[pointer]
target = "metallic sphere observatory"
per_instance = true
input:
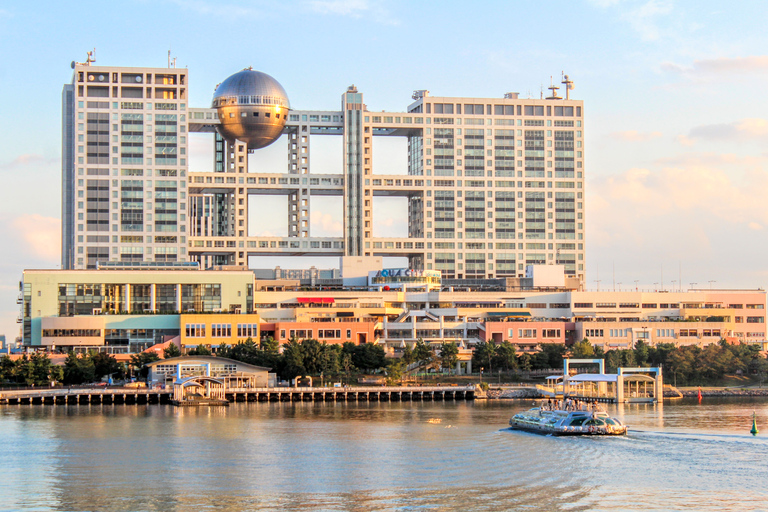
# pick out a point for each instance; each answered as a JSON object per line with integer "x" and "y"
{"x": 253, "y": 108}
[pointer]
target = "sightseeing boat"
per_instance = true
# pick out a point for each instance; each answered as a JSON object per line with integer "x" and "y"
{"x": 568, "y": 423}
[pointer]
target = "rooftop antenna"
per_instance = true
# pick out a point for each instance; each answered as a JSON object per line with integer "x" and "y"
{"x": 554, "y": 90}
{"x": 91, "y": 57}
{"x": 542, "y": 92}
{"x": 568, "y": 85}
{"x": 171, "y": 61}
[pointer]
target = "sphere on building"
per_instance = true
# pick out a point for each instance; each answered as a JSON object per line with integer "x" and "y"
{"x": 253, "y": 108}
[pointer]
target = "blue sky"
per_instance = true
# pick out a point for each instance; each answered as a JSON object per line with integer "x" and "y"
{"x": 676, "y": 123}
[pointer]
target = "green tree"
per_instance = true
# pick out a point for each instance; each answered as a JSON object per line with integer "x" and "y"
{"x": 200, "y": 350}
{"x": 105, "y": 364}
{"x": 395, "y": 372}
{"x": 422, "y": 353}
{"x": 171, "y": 351}
{"x": 408, "y": 356}
{"x": 483, "y": 354}
{"x": 368, "y": 356}
{"x": 78, "y": 369}
{"x": 269, "y": 345}
{"x": 140, "y": 360}
{"x": 312, "y": 356}
{"x": 554, "y": 353}
{"x": 7, "y": 369}
{"x": 582, "y": 350}
{"x": 293, "y": 359}
{"x": 524, "y": 362}
{"x": 506, "y": 356}
{"x": 449, "y": 355}
{"x": 40, "y": 369}
{"x": 642, "y": 353}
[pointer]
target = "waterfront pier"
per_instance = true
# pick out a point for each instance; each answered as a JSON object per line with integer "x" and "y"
{"x": 137, "y": 396}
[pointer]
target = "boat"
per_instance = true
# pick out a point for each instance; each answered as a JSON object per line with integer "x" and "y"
{"x": 567, "y": 423}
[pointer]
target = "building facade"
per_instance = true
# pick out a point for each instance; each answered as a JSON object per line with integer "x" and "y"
{"x": 492, "y": 184}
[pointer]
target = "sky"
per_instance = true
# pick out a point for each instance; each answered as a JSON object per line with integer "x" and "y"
{"x": 676, "y": 161}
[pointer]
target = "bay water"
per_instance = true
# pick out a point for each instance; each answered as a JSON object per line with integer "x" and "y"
{"x": 384, "y": 456}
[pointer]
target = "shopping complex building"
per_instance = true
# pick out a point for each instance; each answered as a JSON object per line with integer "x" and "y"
{"x": 127, "y": 311}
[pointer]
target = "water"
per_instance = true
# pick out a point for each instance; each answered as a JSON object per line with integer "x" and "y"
{"x": 377, "y": 456}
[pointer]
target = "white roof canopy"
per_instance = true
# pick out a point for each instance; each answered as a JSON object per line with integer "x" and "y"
{"x": 594, "y": 377}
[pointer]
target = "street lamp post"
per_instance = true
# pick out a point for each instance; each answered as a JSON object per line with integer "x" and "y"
{"x": 636, "y": 281}
{"x": 673, "y": 284}
{"x": 692, "y": 285}
{"x": 710, "y": 283}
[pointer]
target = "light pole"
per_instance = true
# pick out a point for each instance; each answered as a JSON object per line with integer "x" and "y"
{"x": 655, "y": 286}
{"x": 673, "y": 284}
{"x": 692, "y": 285}
{"x": 598, "y": 284}
{"x": 710, "y": 283}
{"x": 636, "y": 281}
{"x": 619, "y": 283}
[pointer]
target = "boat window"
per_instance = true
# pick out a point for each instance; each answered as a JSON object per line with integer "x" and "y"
{"x": 578, "y": 421}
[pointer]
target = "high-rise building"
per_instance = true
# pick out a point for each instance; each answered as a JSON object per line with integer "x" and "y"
{"x": 492, "y": 184}
{"x": 124, "y": 169}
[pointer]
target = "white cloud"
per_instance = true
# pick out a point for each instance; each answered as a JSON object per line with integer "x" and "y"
{"x": 354, "y": 9}
{"x": 644, "y": 19}
{"x": 635, "y": 136}
{"x": 218, "y": 9}
{"x": 324, "y": 224}
{"x": 741, "y": 130}
{"x": 40, "y": 236}
{"x": 720, "y": 66}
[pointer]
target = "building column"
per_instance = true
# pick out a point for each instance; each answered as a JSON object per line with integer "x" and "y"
{"x": 178, "y": 298}
{"x": 127, "y": 306}
{"x": 620, "y": 388}
{"x": 153, "y": 296}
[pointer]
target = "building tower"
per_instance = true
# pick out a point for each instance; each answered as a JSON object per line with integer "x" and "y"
{"x": 124, "y": 168}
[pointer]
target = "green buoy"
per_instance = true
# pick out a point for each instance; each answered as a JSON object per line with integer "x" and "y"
{"x": 754, "y": 430}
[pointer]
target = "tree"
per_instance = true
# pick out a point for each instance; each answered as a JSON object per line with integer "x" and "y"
{"x": 422, "y": 353}
{"x": 200, "y": 350}
{"x": 524, "y": 362}
{"x": 582, "y": 350}
{"x": 483, "y": 354}
{"x": 269, "y": 345}
{"x": 312, "y": 356}
{"x": 105, "y": 365}
{"x": 554, "y": 353}
{"x": 171, "y": 351}
{"x": 78, "y": 369}
{"x": 449, "y": 355}
{"x": 139, "y": 362}
{"x": 293, "y": 359}
{"x": 369, "y": 356}
{"x": 642, "y": 352}
{"x": 7, "y": 369}
{"x": 408, "y": 357}
{"x": 395, "y": 372}
{"x": 506, "y": 356}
